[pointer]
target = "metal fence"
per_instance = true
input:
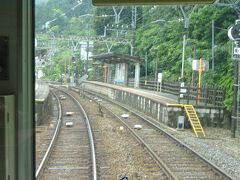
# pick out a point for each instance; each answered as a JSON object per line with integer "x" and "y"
{"x": 205, "y": 96}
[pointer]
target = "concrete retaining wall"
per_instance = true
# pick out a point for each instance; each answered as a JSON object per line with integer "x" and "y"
{"x": 159, "y": 111}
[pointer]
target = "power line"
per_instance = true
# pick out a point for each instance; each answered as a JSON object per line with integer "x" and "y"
{"x": 47, "y": 24}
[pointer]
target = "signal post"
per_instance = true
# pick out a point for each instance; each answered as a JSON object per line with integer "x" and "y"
{"x": 234, "y": 35}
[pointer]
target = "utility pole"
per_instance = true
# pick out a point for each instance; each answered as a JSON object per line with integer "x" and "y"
{"x": 52, "y": 52}
{"x": 134, "y": 21}
{"x": 186, "y": 18}
{"x": 88, "y": 38}
{"x": 213, "y": 45}
{"x": 146, "y": 63}
{"x": 183, "y": 56}
{"x": 186, "y": 25}
{"x": 116, "y": 28}
{"x": 235, "y": 99}
{"x": 117, "y": 14}
{"x": 156, "y": 67}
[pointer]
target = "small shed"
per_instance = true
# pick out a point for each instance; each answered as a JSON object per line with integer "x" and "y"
{"x": 120, "y": 62}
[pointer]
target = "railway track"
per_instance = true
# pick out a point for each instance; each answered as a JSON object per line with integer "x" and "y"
{"x": 118, "y": 153}
{"x": 45, "y": 132}
{"x": 131, "y": 160}
{"x": 179, "y": 160}
{"x": 71, "y": 154}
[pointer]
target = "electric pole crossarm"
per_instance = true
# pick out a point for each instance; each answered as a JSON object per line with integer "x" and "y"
{"x": 117, "y": 14}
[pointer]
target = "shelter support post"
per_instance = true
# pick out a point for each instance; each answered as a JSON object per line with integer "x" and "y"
{"x": 137, "y": 75}
{"x": 105, "y": 72}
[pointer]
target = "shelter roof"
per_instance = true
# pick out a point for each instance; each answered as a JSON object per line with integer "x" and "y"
{"x": 113, "y": 58}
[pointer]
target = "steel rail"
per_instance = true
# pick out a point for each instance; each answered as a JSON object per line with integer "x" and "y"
{"x": 142, "y": 142}
{"x": 90, "y": 135}
{"x": 168, "y": 172}
{"x": 208, "y": 163}
{"x": 51, "y": 145}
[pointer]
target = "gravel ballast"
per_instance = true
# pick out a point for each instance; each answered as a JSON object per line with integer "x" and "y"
{"x": 218, "y": 147}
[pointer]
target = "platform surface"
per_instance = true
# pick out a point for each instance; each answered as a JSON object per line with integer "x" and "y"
{"x": 153, "y": 95}
{"x": 164, "y": 98}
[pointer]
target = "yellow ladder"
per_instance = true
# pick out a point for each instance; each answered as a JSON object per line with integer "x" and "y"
{"x": 194, "y": 120}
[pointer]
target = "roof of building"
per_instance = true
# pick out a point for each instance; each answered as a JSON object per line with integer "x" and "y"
{"x": 113, "y": 58}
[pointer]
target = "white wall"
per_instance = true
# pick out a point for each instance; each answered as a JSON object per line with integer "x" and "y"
{"x": 121, "y": 73}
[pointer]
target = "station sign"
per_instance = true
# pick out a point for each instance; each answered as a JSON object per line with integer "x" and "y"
{"x": 160, "y": 75}
{"x": 236, "y": 51}
{"x": 196, "y": 64}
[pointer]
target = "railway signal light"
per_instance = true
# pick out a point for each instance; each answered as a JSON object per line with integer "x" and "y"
{"x": 234, "y": 31}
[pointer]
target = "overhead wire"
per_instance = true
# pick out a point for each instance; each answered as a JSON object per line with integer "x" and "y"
{"x": 46, "y": 25}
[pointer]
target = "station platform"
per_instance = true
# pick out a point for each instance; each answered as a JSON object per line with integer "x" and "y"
{"x": 161, "y": 106}
{"x": 42, "y": 103}
{"x": 41, "y": 91}
{"x": 163, "y": 98}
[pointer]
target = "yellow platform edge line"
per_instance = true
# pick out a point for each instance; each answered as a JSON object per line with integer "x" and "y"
{"x": 175, "y": 105}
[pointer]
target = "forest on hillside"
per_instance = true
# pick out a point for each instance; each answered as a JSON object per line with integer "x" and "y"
{"x": 154, "y": 33}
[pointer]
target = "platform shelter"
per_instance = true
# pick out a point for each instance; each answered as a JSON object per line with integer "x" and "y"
{"x": 119, "y": 64}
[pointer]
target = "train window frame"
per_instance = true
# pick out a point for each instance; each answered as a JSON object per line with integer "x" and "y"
{"x": 148, "y": 2}
{"x": 30, "y": 71}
